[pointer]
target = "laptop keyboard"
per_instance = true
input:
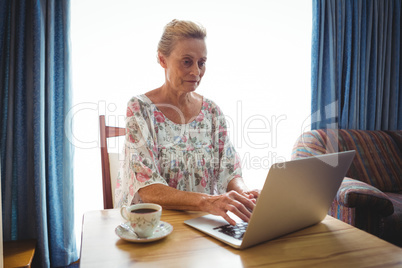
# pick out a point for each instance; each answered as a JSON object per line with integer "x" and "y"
{"x": 236, "y": 231}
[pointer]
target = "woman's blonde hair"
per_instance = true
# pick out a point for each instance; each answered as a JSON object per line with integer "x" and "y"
{"x": 177, "y": 29}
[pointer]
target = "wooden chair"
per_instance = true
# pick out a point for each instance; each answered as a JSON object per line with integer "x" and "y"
{"x": 109, "y": 161}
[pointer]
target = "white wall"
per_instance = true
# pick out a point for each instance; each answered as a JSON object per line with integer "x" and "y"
{"x": 258, "y": 72}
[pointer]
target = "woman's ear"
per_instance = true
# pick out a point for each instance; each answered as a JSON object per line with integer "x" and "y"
{"x": 162, "y": 60}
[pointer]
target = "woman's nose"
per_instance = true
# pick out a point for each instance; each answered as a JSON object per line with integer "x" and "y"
{"x": 195, "y": 70}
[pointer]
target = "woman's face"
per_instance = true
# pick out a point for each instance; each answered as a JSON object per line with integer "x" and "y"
{"x": 185, "y": 66}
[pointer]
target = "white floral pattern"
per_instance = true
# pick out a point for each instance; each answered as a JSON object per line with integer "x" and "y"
{"x": 197, "y": 156}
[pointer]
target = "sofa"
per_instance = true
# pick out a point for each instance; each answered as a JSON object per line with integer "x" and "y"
{"x": 370, "y": 196}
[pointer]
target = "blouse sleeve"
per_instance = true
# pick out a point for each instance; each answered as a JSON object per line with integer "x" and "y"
{"x": 229, "y": 160}
{"x": 140, "y": 166}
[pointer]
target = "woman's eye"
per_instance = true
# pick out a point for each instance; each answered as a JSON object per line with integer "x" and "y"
{"x": 187, "y": 63}
{"x": 201, "y": 64}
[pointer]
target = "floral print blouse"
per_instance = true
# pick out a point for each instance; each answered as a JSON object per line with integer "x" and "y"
{"x": 196, "y": 157}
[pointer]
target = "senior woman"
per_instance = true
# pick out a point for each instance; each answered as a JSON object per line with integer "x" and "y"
{"x": 177, "y": 152}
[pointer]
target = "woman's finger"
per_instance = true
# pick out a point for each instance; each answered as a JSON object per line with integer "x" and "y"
{"x": 240, "y": 206}
{"x": 245, "y": 201}
{"x": 228, "y": 219}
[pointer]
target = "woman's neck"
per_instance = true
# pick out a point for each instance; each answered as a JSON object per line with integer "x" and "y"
{"x": 188, "y": 103}
{"x": 176, "y": 98}
{"x": 179, "y": 99}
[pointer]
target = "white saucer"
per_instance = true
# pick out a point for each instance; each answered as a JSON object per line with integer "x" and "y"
{"x": 163, "y": 230}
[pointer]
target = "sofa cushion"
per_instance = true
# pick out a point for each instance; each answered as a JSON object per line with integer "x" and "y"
{"x": 397, "y": 136}
{"x": 378, "y": 156}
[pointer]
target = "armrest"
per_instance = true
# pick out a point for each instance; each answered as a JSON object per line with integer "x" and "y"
{"x": 357, "y": 194}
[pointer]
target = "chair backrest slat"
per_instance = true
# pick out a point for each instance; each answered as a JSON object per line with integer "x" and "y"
{"x": 105, "y": 133}
{"x": 115, "y": 131}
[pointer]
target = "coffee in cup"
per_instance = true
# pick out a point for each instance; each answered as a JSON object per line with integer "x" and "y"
{"x": 143, "y": 218}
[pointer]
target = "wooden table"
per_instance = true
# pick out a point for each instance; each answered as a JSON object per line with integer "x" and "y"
{"x": 329, "y": 243}
{"x": 18, "y": 253}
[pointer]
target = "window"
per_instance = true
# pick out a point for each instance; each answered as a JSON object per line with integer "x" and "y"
{"x": 258, "y": 72}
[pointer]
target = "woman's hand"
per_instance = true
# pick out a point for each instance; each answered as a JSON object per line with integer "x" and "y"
{"x": 253, "y": 194}
{"x": 237, "y": 184}
{"x": 239, "y": 204}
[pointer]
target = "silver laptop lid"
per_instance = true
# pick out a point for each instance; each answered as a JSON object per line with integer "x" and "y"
{"x": 296, "y": 194}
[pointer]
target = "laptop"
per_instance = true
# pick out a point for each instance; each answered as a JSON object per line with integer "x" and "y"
{"x": 296, "y": 194}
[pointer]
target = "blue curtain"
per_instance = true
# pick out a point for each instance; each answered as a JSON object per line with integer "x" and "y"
{"x": 36, "y": 155}
{"x": 356, "y": 64}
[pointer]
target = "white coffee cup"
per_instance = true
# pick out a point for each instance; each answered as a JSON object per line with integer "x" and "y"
{"x": 143, "y": 218}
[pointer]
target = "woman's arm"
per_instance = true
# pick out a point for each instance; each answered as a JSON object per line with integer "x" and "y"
{"x": 171, "y": 198}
